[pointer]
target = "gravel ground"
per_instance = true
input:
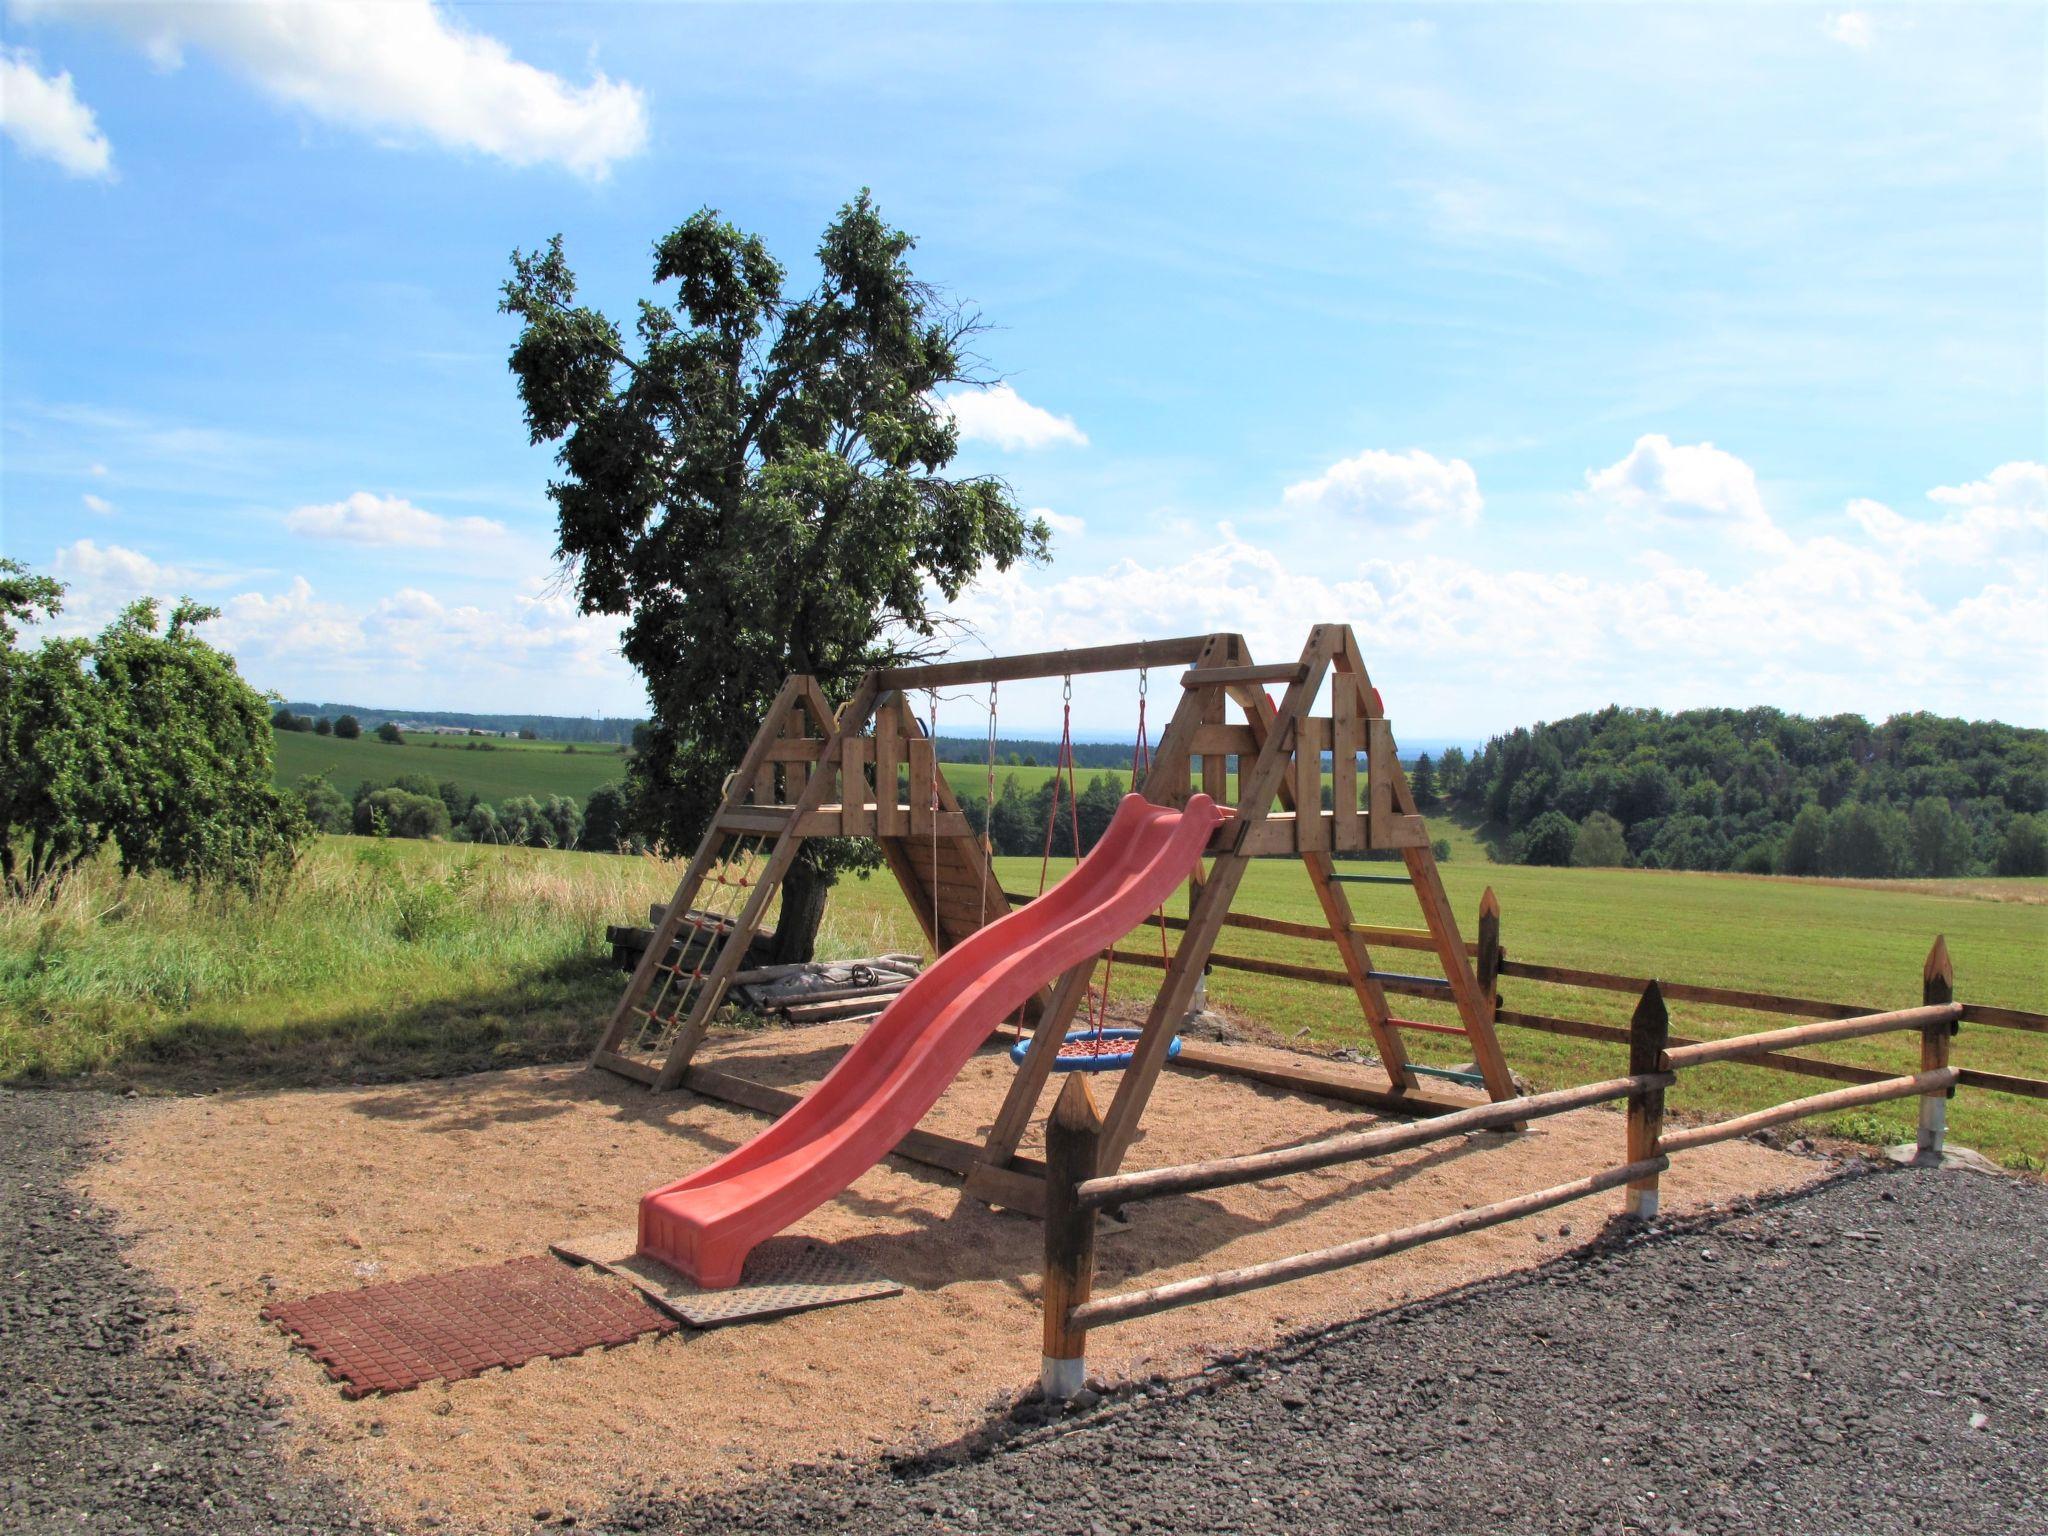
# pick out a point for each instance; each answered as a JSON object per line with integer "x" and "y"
{"x": 1868, "y": 1358}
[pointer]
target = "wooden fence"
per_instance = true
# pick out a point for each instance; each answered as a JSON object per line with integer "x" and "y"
{"x": 1074, "y": 1194}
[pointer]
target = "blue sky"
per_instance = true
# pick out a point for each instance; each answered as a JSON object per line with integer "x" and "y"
{"x": 1574, "y": 354}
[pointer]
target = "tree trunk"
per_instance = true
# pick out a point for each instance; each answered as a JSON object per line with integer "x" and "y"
{"x": 803, "y": 908}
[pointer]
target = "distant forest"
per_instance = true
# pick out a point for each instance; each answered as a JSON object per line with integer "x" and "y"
{"x": 1763, "y": 792}
{"x": 546, "y": 727}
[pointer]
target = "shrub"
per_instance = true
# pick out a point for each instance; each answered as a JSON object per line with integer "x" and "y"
{"x": 481, "y": 825}
{"x": 326, "y": 809}
{"x": 1599, "y": 843}
{"x": 323, "y": 727}
{"x": 347, "y": 727}
{"x": 389, "y": 733}
{"x": 1547, "y": 840}
{"x": 396, "y": 813}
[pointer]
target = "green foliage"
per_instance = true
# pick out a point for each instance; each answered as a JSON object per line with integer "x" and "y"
{"x": 1728, "y": 789}
{"x": 2025, "y": 851}
{"x": 1440, "y": 849}
{"x": 144, "y": 737}
{"x": 1422, "y": 783}
{"x": 347, "y": 727}
{"x": 400, "y": 813}
{"x": 324, "y": 806}
{"x": 390, "y": 734}
{"x": 1549, "y": 839}
{"x": 756, "y": 483}
{"x": 1599, "y": 843}
{"x": 285, "y": 720}
{"x": 323, "y": 727}
{"x": 481, "y": 825}
{"x": 605, "y": 828}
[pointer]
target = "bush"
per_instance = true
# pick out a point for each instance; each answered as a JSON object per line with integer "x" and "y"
{"x": 481, "y": 825}
{"x": 397, "y": 813}
{"x": 323, "y": 727}
{"x": 1599, "y": 843}
{"x": 1549, "y": 839}
{"x": 326, "y": 809}
{"x": 347, "y": 727}
{"x": 2025, "y": 851}
{"x": 1441, "y": 850}
{"x": 389, "y": 733}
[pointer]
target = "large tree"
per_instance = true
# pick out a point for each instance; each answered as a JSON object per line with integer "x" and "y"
{"x": 758, "y": 485}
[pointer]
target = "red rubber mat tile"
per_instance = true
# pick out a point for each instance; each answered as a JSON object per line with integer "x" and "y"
{"x": 390, "y": 1338}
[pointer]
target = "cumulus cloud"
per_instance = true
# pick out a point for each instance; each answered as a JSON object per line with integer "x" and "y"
{"x": 1695, "y": 485}
{"x": 1001, "y": 416}
{"x": 369, "y": 519}
{"x": 1825, "y": 624}
{"x": 1061, "y": 523}
{"x": 402, "y": 69}
{"x": 1412, "y": 492}
{"x": 98, "y": 504}
{"x": 44, "y": 117}
{"x": 1852, "y": 29}
{"x": 2004, "y": 516}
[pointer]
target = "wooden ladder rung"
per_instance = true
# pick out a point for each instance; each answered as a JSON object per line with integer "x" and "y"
{"x": 1413, "y": 981}
{"x": 1372, "y": 879}
{"x": 1217, "y": 677}
{"x": 1427, "y": 1027}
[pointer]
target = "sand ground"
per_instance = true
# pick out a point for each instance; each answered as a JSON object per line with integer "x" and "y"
{"x": 233, "y": 1200}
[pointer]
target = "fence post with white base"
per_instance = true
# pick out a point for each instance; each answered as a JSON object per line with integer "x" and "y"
{"x": 1649, "y": 1031}
{"x": 1937, "y": 985}
{"x": 1072, "y": 1136}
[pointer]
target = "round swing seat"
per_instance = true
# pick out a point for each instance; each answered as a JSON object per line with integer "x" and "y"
{"x": 1090, "y": 1050}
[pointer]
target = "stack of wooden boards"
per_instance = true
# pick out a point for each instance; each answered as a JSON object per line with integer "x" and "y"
{"x": 824, "y": 992}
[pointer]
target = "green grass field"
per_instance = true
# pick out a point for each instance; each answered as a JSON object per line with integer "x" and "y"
{"x": 505, "y": 771}
{"x": 388, "y": 959}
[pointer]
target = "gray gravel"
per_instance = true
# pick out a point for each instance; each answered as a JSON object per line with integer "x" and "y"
{"x": 1865, "y": 1359}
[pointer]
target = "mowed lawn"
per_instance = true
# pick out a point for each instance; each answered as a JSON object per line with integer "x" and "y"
{"x": 391, "y": 959}
{"x": 498, "y": 771}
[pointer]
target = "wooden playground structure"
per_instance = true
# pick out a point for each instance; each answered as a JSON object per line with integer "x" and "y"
{"x": 812, "y": 771}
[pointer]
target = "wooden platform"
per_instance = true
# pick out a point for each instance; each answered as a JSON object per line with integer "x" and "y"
{"x": 783, "y": 1275}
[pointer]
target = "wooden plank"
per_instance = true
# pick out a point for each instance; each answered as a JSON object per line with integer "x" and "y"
{"x": 830, "y": 821}
{"x": 1819, "y": 1104}
{"x": 2004, "y": 1018}
{"x": 922, "y": 750}
{"x": 1014, "y": 1117}
{"x": 1380, "y": 767}
{"x": 856, "y": 817}
{"x": 801, "y": 750}
{"x": 1742, "y": 1047}
{"x": 1127, "y": 657}
{"x": 1180, "y": 1293}
{"x": 1311, "y": 823}
{"x": 1287, "y": 674}
{"x": 1347, "y": 738}
{"x": 1215, "y": 738}
{"x": 626, "y": 1066}
{"x": 2001, "y": 1082}
{"x": 768, "y": 819}
{"x": 1355, "y": 1146}
{"x": 1346, "y": 1086}
{"x": 891, "y": 818}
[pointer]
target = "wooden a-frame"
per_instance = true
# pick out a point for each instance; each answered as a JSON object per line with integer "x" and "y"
{"x": 814, "y": 772}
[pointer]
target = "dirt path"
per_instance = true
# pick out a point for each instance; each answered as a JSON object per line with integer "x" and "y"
{"x": 1677, "y": 1382}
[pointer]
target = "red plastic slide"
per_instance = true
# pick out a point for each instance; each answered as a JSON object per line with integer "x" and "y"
{"x": 705, "y": 1225}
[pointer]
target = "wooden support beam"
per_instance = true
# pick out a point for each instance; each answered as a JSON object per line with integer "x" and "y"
{"x": 1939, "y": 1081}
{"x": 1649, "y": 1033}
{"x": 1072, "y": 1141}
{"x": 1007, "y": 669}
{"x": 1239, "y": 677}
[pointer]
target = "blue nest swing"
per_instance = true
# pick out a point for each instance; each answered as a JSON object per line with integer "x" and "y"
{"x": 1094, "y": 1050}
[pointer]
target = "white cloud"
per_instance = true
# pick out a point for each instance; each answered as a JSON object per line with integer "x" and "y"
{"x": 367, "y": 519}
{"x": 401, "y": 69}
{"x": 2001, "y": 518}
{"x": 1819, "y": 625}
{"x": 1001, "y": 416}
{"x": 1062, "y": 523}
{"x": 1697, "y": 485}
{"x": 1412, "y": 492}
{"x": 98, "y": 471}
{"x": 98, "y": 504}
{"x": 44, "y": 117}
{"x": 102, "y": 579}
{"x": 1852, "y": 29}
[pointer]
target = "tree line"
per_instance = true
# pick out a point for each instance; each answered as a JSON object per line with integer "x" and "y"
{"x": 416, "y": 806}
{"x": 1761, "y": 791}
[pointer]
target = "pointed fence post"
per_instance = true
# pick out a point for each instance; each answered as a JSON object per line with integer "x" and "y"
{"x": 1937, "y": 985}
{"x": 1649, "y": 1031}
{"x": 1487, "y": 964}
{"x": 1073, "y": 1136}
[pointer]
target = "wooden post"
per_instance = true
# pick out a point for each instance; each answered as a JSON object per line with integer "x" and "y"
{"x": 1072, "y": 1139}
{"x": 1937, "y": 985}
{"x": 1649, "y": 1031}
{"x": 1487, "y": 965}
